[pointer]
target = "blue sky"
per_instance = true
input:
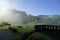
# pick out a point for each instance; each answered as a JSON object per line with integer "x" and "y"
{"x": 36, "y": 7}
{"x": 41, "y": 7}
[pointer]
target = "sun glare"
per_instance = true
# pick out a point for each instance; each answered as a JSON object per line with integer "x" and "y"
{"x": 4, "y": 4}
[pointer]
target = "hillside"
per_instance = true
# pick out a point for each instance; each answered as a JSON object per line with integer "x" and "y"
{"x": 46, "y": 19}
{"x": 14, "y": 17}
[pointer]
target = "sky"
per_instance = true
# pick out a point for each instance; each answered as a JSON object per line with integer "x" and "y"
{"x": 33, "y": 7}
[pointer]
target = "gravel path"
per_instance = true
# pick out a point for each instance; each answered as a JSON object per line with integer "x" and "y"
{"x": 6, "y": 35}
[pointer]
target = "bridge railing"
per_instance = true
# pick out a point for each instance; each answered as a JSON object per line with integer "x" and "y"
{"x": 47, "y": 27}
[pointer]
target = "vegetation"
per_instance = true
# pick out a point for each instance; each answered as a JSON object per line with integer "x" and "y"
{"x": 20, "y": 32}
{"x": 46, "y": 19}
{"x": 26, "y": 31}
{"x": 38, "y": 36}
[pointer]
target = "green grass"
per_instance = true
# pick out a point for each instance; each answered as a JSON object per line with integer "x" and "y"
{"x": 21, "y": 32}
{"x": 38, "y": 36}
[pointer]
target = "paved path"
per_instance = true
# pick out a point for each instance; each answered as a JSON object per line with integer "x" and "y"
{"x": 6, "y": 35}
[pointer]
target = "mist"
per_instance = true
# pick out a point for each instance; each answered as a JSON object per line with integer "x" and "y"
{"x": 14, "y": 17}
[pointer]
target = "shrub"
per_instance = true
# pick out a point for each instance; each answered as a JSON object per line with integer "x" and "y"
{"x": 13, "y": 29}
{"x": 5, "y": 23}
{"x": 19, "y": 26}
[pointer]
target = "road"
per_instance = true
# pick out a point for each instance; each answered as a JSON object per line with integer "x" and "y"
{"x": 6, "y": 34}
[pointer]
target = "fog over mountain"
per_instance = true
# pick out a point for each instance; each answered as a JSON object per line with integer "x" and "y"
{"x": 15, "y": 17}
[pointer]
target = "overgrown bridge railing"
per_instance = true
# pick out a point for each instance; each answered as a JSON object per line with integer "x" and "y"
{"x": 50, "y": 30}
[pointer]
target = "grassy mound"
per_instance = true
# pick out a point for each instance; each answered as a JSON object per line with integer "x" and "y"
{"x": 38, "y": 36}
